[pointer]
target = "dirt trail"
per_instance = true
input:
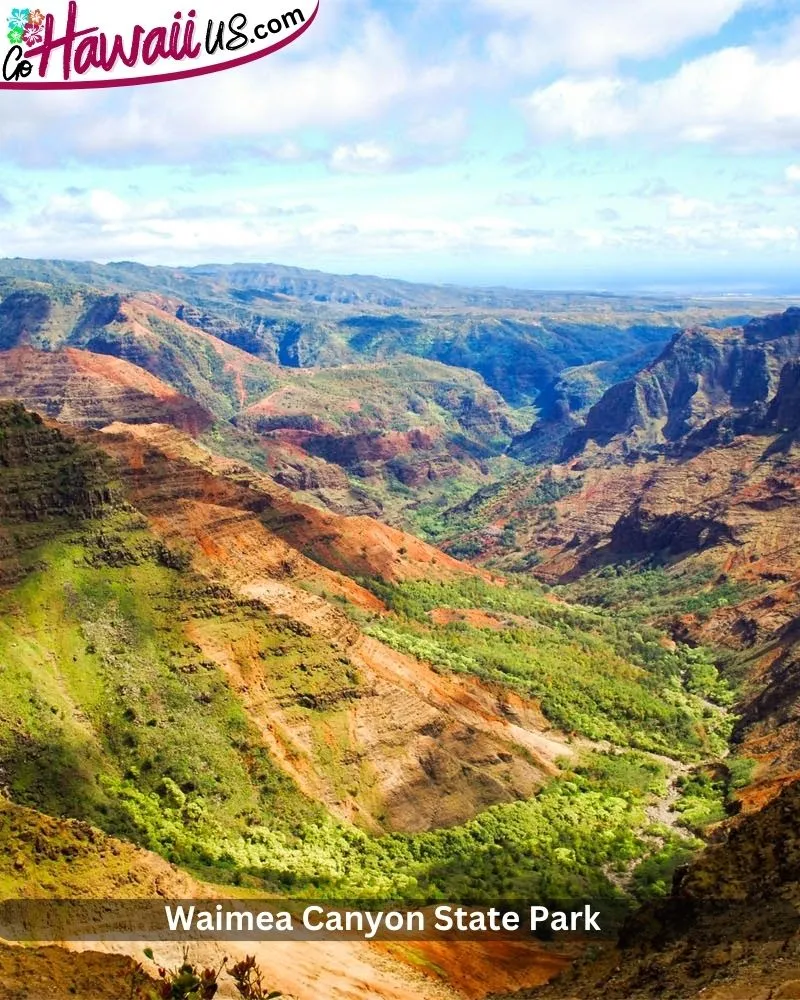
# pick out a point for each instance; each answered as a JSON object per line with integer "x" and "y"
{"x": 663, "y": 811}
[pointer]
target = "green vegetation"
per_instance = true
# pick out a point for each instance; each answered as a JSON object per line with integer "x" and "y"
{"x": 462, "y": 523}
{"x": 561, "y": 843}
{"x": 197, "y": 367}
{"x": 706, "y": 792}
{"x": 648, "y": 592}
{"x": 120, "y": 680}
{"x": 626, "y": 772}
{"x": 110, "y": 712}
{"x": 741, "y": 771}
{"x": 702, "y": 799}
{"x": 549, "y": 490}
{"x": 593, "y": 674}
{"x": 652, "y": 877}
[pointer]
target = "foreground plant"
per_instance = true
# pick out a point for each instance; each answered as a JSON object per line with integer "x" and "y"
{"x": 188, "y": 982}
{"x": 250, "y": 981}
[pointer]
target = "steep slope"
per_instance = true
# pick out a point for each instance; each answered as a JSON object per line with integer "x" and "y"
{"x": 237, "y": 342}
{"x": 699, "y": 533}
{"x": 421, "y": 434}
{"x": 683, "y": 508}
{"x": 376, "y": 737}
{"x": 564, "y": 403}
{"x": 355, "y": 546}
{"x": 708, "y": 508}
{"x": 201, "y": 663}
{"x": 412, "y": 434}
{"x": 171, "y": 678}
{"x": 240, "y": 528}
{"x": 141, "y": 330}
{"x": 92, "y": 390}
{"x": 702, "y": 492}
{"x": 46, "y": 483}
{"x": 702, "y": 375}
{"x": 51, "y": 858}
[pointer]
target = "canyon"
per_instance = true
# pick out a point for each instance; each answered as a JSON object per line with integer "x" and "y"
{"x": 444, "y": 579}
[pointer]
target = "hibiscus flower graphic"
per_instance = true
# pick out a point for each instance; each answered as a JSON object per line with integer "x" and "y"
{"x": 19, "y": 18}
{"x": 33, "y": 35}
{"x": 15, "y": 36}
{"x": 36, "y": 18}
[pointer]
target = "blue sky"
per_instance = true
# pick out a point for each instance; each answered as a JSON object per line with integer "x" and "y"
{"x": 541, "y": 143}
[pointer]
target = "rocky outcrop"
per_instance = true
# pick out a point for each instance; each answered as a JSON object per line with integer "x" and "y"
{"x": 44, "y": 476}
{"x": 22, "y": 313}
{"x": 701, "y": 376}
{"x": 783, "y": 414}
{"x": 645, "y": 533}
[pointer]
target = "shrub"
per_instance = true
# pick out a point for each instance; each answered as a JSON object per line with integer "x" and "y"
{"x": 188, "y": 982}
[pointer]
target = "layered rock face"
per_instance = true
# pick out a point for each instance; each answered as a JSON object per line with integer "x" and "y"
{"x": 162, "y": 468}
{"x": 726, "y": 490}
{"x": 719, "y": 493}
{"x": 717, "y": 506}
{"x": 440, "y": 749}
{"x": 43, "y": 475}
{"x": 702, "y": 375}
{"x": 92, "y": 390}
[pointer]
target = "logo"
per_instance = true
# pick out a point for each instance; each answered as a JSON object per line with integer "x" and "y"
{"x": 97, "y": 44}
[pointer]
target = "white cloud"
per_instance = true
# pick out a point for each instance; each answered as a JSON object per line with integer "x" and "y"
{"x": 361, "y": 158}
{"x": 681, "y": 207}
{"x": 581, "y": 109}
{"x": 792, "y": 173}
{"x": 522, "y": 199}
{"x": 736, "y": 97}
{"x": 94, "y": 208}
{"x": 591, "y": 35}
{"x": 100, "y": 224}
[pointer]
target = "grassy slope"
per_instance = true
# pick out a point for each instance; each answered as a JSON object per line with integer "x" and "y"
{"x": 108, "y": 711}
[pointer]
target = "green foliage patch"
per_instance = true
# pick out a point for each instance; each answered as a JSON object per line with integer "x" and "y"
{"x": 648, "y": 592}
{"x": 593, "y": 673}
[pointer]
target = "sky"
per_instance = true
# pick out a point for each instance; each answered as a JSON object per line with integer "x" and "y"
{"x": 537, "y": 143}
